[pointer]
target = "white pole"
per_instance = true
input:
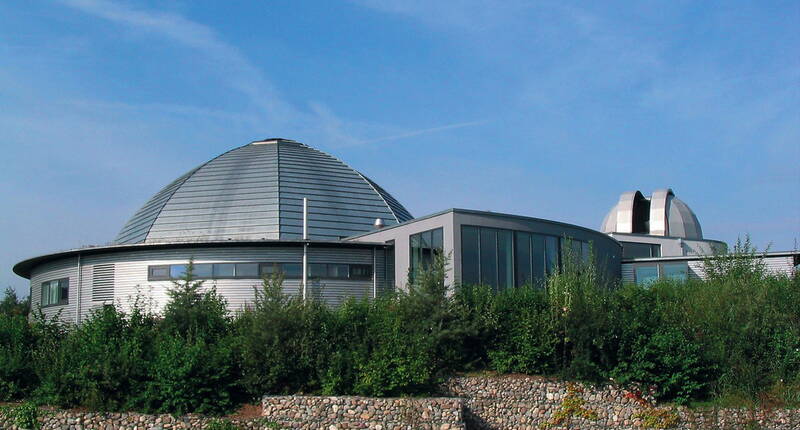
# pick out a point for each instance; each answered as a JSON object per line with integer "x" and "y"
{"x": 305, "y": 248}
{"x": 78, "y": 292}
{"x": 374, "y": 274}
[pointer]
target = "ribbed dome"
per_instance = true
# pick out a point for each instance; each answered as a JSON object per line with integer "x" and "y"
{"x": 661, "y": 214}
{"x": 256, "y": 192}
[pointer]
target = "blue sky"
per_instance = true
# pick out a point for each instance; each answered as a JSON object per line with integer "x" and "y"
{"x": 547, "y": 109}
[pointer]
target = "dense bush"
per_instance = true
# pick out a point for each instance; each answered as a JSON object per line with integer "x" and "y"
{"x": 732, "y": 338}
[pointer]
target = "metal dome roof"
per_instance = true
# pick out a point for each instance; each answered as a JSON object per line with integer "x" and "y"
{"x": 256, "y": 192}
{"x": 661, "y": 214}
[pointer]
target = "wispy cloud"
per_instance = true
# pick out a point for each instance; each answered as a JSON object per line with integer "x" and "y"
{"x": 415, "y": 133}
{"x": 224, "y": 59}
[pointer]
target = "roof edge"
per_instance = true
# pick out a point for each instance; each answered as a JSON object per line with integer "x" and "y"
{"x": 24, "y": 267}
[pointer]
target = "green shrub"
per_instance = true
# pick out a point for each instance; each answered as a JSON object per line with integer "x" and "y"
{"x": 733, "y": 336}
{"x": 24, "y": 416}
{"x": 101, "y": 364}
{"x": 17, "y": 378}
{"x": 527, "y": 337}
{"x": 283, "y": 342}
{"x": 192, "y": 376}
{"x": 194, "y": 311}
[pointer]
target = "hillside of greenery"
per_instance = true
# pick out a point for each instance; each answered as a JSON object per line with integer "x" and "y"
{"x": 732, "y": 339}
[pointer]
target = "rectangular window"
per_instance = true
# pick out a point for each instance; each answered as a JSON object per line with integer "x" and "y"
{"x": 470, "y": 273}
{"x": 316, "y": 270}
{"x": 158, "y": 273}
{"x": 538, "y": 256}
{"x": 505, "y": 262}
{"x": 338, "y": 271}
{"x": 177, "y": 271}
{"x": 488, "y": 256}
{"x": 202, "y": 271}
{"x": 646, "y": 275}
{"x": 522, "y": 257}
{"x": 247, "y": 270}
{"x": 360, "y": 271}
{"x": 676, "y": 271}
{"x": 424, "y": 247}
{"x": 268, "y": 269}
{"x": 292, "y": 270}
{"x": 55, "y": 292}
{"x": 223, "y": 270}
{"x": 551, "y": 249}
{"x": 640, "y": 250}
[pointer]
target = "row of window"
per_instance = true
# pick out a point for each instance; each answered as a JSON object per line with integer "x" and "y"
{"x": 640, "y": 250}
{"x": 55, "y": 292}
{"x": 259, "y": 270}
{"x": 505, "y": 258}
{"x": 647, "y": 274}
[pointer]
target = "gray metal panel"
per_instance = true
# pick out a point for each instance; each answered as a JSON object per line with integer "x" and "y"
{"x": 683, "y": 221}
{"x": 659, "y": 210}
{"x": 255, "y": 192}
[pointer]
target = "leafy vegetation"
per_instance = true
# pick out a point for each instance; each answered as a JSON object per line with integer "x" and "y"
{"x": 731, "y": 339}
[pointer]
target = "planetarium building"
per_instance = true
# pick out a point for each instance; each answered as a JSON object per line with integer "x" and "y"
{"x": 280, "y": 205}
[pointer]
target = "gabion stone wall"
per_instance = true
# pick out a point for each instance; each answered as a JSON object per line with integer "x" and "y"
{"x": 71, "y": 420}
{"x": 346, "y": 412}
{"x": 525, "y": 402}
{"x": 533, "y": 403}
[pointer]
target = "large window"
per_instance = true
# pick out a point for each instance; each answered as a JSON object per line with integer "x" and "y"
{"x": 259, "y": 270}
{"x": 424, "y": 247}
{"x": 646, "y": 275}
{"x": 488, "y": 259}
{"x": 640, "y": 250}
{"x": 505, "y": 258}
{"x": 551, "y": 249}
{"x": 523, "y": 271}
{"x": 55, "y": 292}
{"x": 675, "y": 271}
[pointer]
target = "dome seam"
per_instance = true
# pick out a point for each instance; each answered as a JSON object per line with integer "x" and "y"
{"x": 166, "y": 202}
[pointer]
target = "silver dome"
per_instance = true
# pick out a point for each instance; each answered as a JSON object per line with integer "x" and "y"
{"x": 256, "y": 192}
{"x": 661, "y": 214}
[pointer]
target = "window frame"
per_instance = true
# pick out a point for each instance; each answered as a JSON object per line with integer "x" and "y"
{"x": 266, "y": 269}
{"x": 61, "y": 286}
{"x": 420, "y": 238}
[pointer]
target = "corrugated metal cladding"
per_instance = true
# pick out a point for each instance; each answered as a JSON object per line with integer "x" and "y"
{"x": 102, "y": 282}
{"x": 129, "y": 273}
{"x": 778, "y": 265}
{"x": 256, "y": 192}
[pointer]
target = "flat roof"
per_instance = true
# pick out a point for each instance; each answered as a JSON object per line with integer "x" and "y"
{"x": 485, "y": 213}
{"x": 24, "y": 267}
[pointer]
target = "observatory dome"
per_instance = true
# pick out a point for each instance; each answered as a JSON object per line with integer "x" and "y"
{"x": 256, "y": 192}
{"x": 661, "y": 214}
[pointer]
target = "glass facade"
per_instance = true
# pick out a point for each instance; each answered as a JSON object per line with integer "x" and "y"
{"x": 488, "y": 260}
{"x": 424, "y": 246}
{"x": 470, "y": 247}
{"x": 523, "y": 270}
{"x": 506, "y": 258}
